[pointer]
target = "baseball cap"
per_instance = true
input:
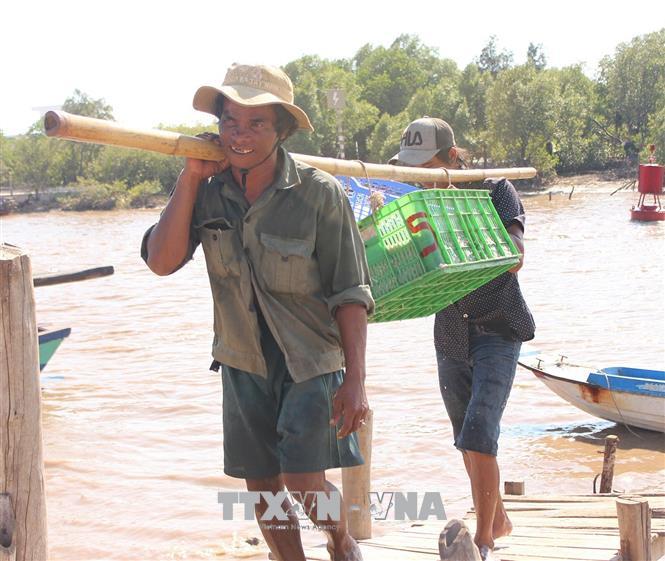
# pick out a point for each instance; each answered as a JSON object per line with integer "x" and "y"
{"x": 422, "y": 140}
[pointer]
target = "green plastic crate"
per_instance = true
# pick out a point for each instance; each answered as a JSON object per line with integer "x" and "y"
{"x": 430, "y": 248}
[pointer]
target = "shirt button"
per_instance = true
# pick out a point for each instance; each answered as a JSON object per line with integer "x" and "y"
{"x": 465, "y": 316}
{"x": 247, "y": 218}
{"x": 214, "y": 237}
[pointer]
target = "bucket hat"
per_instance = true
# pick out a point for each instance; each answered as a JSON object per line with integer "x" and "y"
{"x": 253, "y": 86}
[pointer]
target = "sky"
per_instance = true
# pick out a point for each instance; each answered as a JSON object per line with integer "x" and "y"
{"x": 147, "y": 58}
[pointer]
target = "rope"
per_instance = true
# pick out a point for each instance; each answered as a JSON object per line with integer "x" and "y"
{"x": 623, "y": 420}
{"x": 448, "y": 177}
{"x": 376, "y": 198}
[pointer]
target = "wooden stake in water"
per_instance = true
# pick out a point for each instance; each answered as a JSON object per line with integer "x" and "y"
{"x": 356, "y": 483}
{"x": 607, "y": 476}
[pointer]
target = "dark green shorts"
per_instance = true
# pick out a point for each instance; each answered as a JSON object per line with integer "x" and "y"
{"x": 275, "y": 425}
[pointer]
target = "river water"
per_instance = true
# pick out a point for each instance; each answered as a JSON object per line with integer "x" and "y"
{"x": 132, "y": 416}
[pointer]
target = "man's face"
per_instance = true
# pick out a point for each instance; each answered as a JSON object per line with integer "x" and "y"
{"x": 247, "y": 134}
{"x": 434, "y": 163}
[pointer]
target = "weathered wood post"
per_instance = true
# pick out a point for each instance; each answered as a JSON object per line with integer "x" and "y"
{"x": 356, "y": 483}
{"x": 607, "y": 475}
{"x": 513, "y": 487}
{"x": 22, "y": 495}
{"x": 7, "y": 523}
{"x": 634, "y": 528}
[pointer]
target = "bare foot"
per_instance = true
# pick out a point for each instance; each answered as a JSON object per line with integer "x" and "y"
{"x": 502, "y": 526}
{"x": 455, "y": 542}
{"x": 349, "y": 551}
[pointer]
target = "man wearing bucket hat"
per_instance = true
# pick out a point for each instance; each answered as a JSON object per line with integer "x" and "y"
{"x": 478, "y": 338}
{"x": 291, "y": 296}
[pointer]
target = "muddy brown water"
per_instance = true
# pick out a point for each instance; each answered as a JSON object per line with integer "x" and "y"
{"x": 132, "y": 416}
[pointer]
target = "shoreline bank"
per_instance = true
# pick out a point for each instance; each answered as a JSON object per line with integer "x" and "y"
{"x": 46, "y": 201}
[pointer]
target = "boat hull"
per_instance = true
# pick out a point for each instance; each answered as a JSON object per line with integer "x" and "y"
{"x": 643, "y": 410}
{"x": 49, "y": 341}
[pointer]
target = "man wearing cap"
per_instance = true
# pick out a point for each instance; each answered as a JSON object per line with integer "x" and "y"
{"x": 290, "y": 287}
{"x": 478, "y": 338}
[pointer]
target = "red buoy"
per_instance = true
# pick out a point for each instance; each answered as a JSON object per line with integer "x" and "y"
{"x": 650, "y": 182}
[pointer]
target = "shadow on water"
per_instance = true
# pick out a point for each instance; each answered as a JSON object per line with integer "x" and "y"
{"x": 594, "y": 433}
{"x": 629, "y": 437}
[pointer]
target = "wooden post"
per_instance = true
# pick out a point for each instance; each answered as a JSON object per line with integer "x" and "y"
{"x": 607, "y": 476}
{"x": 513, "y": 487}
{"x": 356, "y": 483}
{"x": 7, "y": 523}
{"x": 22, "y": 495}
{"x": 634, "y": 528}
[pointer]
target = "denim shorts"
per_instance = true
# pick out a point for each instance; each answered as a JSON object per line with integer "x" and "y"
{"x": 275, "y": 425}
{"x": 475, "y": 391}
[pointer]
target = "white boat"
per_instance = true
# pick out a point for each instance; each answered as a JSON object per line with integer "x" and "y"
{"x": 632, "y": 396}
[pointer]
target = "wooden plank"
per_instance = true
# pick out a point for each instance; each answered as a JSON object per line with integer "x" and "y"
{"x": 508, "y": 556}
{"x": 557, "y": 552}
{"x": 592, "y": 548}
{"x": 654, "y": 502}
{"x": 571, "y": 528}
{"x": 507, "y": 499}
{"x": 534, "y": 530}
{"x": 577, "y": 539}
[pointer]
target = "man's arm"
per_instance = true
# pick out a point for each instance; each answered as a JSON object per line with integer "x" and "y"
{"x": 517, "y": 235}
{"x": 350, "y": 401}
{"x": 168, "y": 242}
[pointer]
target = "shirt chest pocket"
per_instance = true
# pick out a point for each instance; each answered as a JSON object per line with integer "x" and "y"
{"x": 222, "y": 248}
{"x": 288, "y": 264}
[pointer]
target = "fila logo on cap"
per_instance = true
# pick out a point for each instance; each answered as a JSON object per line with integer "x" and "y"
{"x": 412, "y": 140}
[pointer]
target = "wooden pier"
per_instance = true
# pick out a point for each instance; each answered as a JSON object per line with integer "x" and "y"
{"x": 546, "y": 528}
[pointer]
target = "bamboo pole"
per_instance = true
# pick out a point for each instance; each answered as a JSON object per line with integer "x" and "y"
{"x": 634, "y": 528}
{"x": 607, "y": 475}
{"x": 86, "y": 129}
{"x": 22, "y": 495}
{"x": 356, "y": 483}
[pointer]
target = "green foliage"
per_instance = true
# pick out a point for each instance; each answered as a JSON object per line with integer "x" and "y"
{"x": 144, "y": 193}
{"x": 389, "y": 77}
{"x": 383, "y": 143}
{"x": 78, "y": 157}
{"x": 535, "y": 56}
{"x": 135, "y": 166}
{"x": 5, "y": 160}
{"x": 313, "y": 79}
{"x": 634, "y": 82}
{"x": 80, "y": 103}
{"x": 34, "y": 161}
{"x": 91, "y": 195}
{"x": 558, "y": 120}
{"x": 522, "y": 110}
{"x": 575, "y": 100}
{"x": 492, "y": 60}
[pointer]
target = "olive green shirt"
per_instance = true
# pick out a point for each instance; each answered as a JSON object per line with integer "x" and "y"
{"x": 296, "y": 253}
